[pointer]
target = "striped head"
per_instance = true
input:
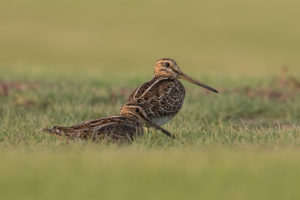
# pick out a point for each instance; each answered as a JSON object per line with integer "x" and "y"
{"x": 168, "y": 68}
{"x": 134, "y": 111}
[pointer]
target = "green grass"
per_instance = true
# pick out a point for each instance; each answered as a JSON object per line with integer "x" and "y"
{"x": 69, "y": 61}
{"x": 134, "y": 173}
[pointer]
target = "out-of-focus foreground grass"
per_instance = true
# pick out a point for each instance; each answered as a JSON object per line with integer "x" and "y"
{"x": 132, "y": 173}
{"x": 62, "y": 62}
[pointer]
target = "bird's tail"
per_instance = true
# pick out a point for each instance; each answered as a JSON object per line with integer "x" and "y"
{"x": 59, "y": 130}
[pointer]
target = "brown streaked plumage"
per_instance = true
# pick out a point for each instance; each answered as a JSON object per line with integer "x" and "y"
{"x": 123, "y": 127}
{"x": 163, "y": 96}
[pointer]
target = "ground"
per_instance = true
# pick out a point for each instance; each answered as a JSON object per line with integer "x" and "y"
{"x": 64, "y": 62}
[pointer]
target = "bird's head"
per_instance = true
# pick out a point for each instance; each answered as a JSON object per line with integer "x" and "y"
{"x": 168, "y": 68}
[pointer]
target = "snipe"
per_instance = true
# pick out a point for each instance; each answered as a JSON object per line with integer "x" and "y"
{"x": 163, "y": 96}
{"x": 123, "y": 127}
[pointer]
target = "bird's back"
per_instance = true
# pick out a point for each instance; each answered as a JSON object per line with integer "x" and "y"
{"x": 161, "y": 97}
{"x": 114, "y": 127}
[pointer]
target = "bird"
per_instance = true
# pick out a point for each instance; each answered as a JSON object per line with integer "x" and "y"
{"x": 163, "y": 96}
{"x": 123, "y": 127}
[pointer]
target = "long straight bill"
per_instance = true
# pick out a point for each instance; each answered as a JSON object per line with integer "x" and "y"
{"x": 190, "y": 79}
{"x": 159, "y": 128}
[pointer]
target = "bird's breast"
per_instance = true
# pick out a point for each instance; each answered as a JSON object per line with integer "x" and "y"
{"x": 161, "y": 120}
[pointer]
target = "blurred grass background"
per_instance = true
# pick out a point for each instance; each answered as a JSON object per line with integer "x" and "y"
{"x": 95, "y": 39}
{"x": 68, "y": 61}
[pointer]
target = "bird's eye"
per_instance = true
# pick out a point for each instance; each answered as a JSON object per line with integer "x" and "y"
{"x": 167, "y": 64}
{"x": 137, "y": 110}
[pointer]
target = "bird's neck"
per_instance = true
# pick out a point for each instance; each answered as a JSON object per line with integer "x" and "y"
{"x": 157, "y": 76}
{"x": 130, "y": 116}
